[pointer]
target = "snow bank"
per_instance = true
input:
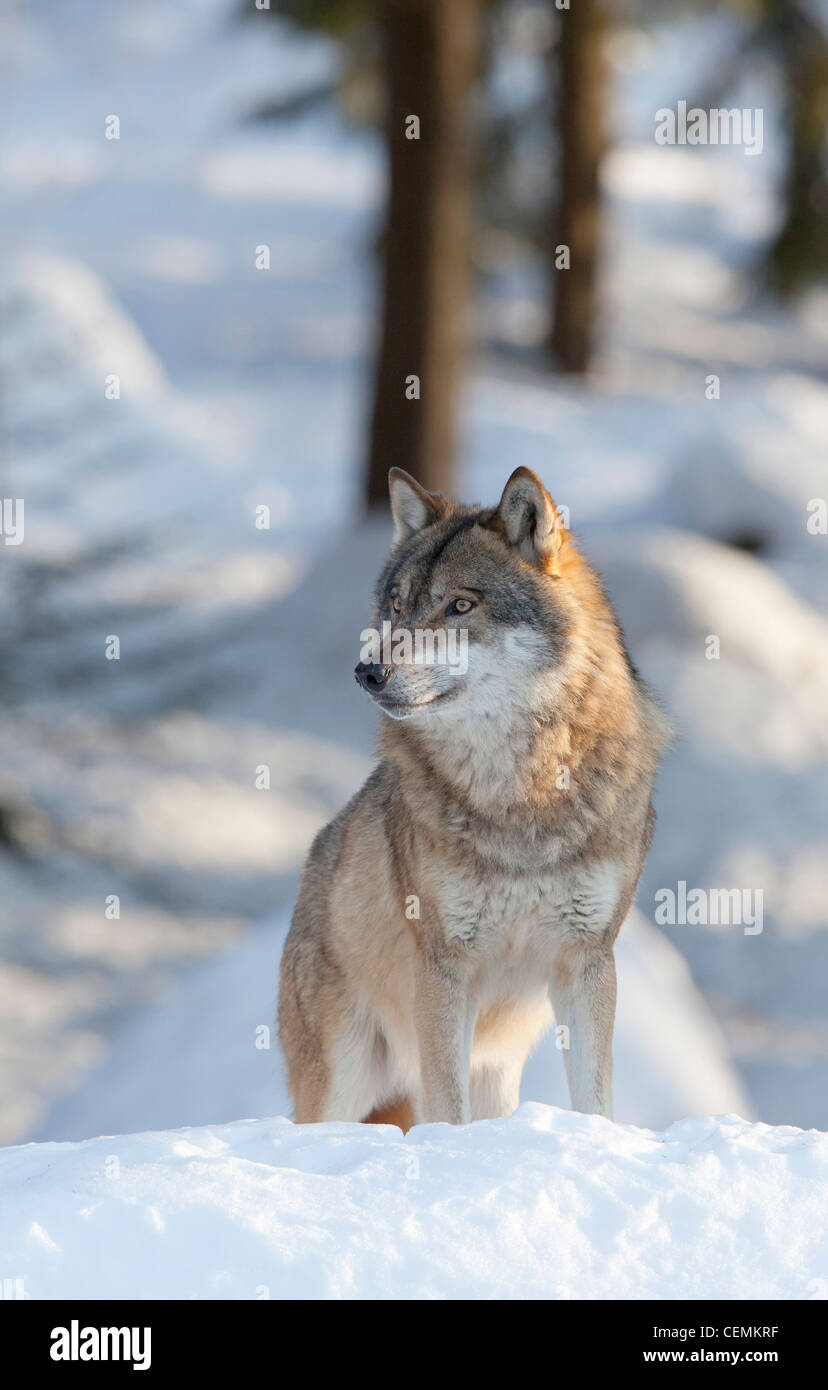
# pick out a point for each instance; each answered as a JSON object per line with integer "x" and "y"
{"x": 547, "y": 1204}
{"x": 743, "y": 797}
{"x": 753, "y": 483}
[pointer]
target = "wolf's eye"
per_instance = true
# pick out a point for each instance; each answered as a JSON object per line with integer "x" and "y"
{"x": 396, "y": 604}
{"x": 460, "y": 605}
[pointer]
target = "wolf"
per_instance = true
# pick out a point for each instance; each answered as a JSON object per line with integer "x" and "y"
{"x": 471, "y": 892}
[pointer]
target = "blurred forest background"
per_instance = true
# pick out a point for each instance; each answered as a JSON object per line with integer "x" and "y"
{"x": 255, "y": 254}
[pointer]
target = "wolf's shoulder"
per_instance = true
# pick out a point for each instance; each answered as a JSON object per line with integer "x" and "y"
{"x": 374, "y": 796}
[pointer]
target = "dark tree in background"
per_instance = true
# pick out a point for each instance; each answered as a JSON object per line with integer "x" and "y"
{"x": 422, "y": 55}
{"x": 580, "y": 82}
{"x": 420, "y": 58}
{"x": 788, "y": 38}
{"x": 430, "y": 50}
{"x": 799, "y": 253}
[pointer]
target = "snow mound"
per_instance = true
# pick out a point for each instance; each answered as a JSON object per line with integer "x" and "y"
{"x": 743, "y": 797}
{"x": 755, "y": 484}
{"x": 547, "y": 1204}
{"x": 676, "y": 589}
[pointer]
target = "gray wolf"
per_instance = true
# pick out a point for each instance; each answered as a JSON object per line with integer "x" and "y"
{"x": 472, "y": 891}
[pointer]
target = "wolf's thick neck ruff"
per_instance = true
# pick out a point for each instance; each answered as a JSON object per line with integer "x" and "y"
{"x": 527, "y": 788}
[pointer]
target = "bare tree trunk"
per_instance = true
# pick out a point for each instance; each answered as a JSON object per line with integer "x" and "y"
{"x": 581, "y": 122}
{"x": 800, "y": 252}
{"x": 430, "y": 54}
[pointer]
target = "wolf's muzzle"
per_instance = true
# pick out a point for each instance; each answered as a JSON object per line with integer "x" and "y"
{"x": 373, "y": 677}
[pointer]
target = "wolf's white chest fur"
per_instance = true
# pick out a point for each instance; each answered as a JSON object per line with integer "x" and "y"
{"x": 516, "y": 924}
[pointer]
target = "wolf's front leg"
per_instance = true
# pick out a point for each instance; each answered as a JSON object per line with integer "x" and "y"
{"x": 444, "y": 1024}
{"x": 583, "y": 991}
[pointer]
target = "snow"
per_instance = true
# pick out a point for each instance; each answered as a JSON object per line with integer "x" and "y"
{"x": 755, "y": 485}
{"x": 546, "y": 1204}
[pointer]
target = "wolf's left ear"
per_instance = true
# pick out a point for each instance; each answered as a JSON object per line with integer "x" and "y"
{"x": 528, "y": 520}
{"x": 411, "y": 506}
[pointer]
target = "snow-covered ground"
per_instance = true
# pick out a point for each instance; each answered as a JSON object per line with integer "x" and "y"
{"x": 546, "y": 1204}
{"x": 240, "y": 388}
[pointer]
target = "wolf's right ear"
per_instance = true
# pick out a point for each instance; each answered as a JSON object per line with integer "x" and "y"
{"x": 411, "y": 506}
{"x": 528, "y": 520}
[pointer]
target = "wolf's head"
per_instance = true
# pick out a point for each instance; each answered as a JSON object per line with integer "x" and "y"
{"x": 474, "y": 607}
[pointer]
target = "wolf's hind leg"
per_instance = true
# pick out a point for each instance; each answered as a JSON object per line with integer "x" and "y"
{"x": 495, "y": 1090}
{"x": 357, "y": 1071}
{"x": 339, "y": 1078}
{"x": 309, "y": 1100}
{"x": 504, "y": 1037}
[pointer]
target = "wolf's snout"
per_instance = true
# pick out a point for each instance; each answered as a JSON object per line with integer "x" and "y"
{"x": 373, "y": 677}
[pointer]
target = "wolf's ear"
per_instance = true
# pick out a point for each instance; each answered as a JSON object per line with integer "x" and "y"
{"x": 528, "y": 520}
{"x": 411, "y": 506}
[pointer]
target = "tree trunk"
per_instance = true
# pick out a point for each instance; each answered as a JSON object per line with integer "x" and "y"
{"x": 581, "y": 122}
{"x": 799, "y": 254}
{"x": 430, "y": 55}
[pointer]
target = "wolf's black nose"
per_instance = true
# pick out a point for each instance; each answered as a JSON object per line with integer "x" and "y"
{"x": 371, "y": 676}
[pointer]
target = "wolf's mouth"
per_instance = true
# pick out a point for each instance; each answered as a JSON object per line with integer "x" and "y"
{"x": 401, "y": 709}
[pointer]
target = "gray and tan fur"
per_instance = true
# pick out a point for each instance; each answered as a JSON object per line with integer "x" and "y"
{"x": 511, "y": 807}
